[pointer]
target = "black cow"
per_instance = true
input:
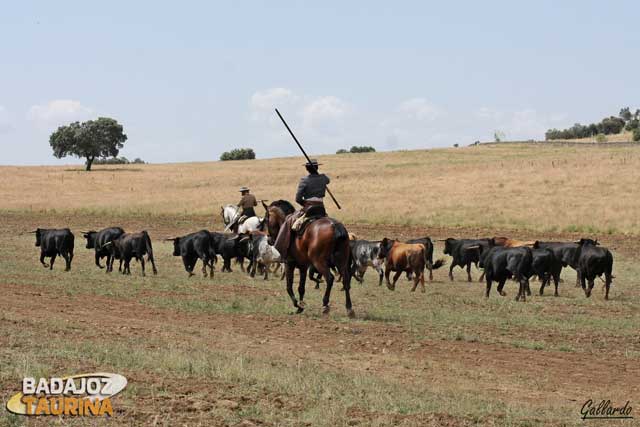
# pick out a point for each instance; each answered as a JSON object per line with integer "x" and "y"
{"x": 54, "y": 242}
{"x": 231, "y": 246}
{"x": 594, "y": 261}
{"x": 546, "y": 266}
{"x": 364, "y": 253}
{"x": 428, "y": 245}
{"x": 132, "y": 245}
{"x": 566, "y": 254}
{"x": 501, "y": 264}
{"x": 465, "y": 252}
{"x": 98, "y": 239}
{"x": 193, "y": 247}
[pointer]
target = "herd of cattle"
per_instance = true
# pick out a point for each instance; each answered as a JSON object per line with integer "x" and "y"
{"x": 500, "y": 258}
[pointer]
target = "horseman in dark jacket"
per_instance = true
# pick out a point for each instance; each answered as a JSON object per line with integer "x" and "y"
{"x": 310, "y": 196}
{"x": 245, "y": 208}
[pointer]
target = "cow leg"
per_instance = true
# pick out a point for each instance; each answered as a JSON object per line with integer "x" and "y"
{"x": 583, "y": 283}
{"x": 528, "y": 287}
{"x": 481, "y": 279}
{"x": 120, "y": 266}
{"x": 187, "y": 265}
{"x": 422, "y": 288}
{"x": 430, "y": 267}
{"x": 578, "y": 279}
{"x": 98, "y": 260}
{"x": 591, "y": 284}
{"x": 44, "y": 264}
{"x": 416, "y": 280}
{"x": 289, "y": 270}
{"x": 607, "y": 284}
{"x": 380, "y": 275}
{"x": 545, "y": 280}
{"x": 387, "y": 272}
{"x": 204, "y": 267}
{"x": 127, "y": 266}
{"x": 227, "y": 265}
{"x": 395, "y": 278}
{"x": 266, "y": 271}
{"x": 469, "y": 279}
{"x": 53, "y": 259}
{"x": 142, "y": 265}
{"x": 241, "y": 262}
{"x": 67, "y": 260}
{"x": 488, "y": 287}
{"x": 501, "y": 283}
{"x": 451, "y": 271}
{"x": 556, "y": 280}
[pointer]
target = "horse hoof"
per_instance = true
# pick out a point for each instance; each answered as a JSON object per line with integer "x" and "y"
{"x": 326, "y": 309}
{"x": 351, "y": 314}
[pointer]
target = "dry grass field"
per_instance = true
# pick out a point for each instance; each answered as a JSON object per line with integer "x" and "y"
{"x": 227, "y": 352}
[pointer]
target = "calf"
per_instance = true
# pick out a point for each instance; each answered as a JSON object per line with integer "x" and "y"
{"x": 403, "y": 257}
{"x": 501, "y": 264}
{"x": 54, "y": 242}
{"x": 364, "y": 254}
{"x": 132, "y": 245}
{"x": 465, "y": 252}
{"x": 594, "y": 261}
{"x": 195, "y": 246}
{"x": 262, "y": 253}
{"x": 428, "y": 246}
{"x": 98, "y": 239}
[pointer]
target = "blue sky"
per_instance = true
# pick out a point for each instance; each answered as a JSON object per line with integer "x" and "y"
{"x": 190, "y": 80}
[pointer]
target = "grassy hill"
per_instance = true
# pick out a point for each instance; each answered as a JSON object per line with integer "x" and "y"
{"x": 525, "y": 186}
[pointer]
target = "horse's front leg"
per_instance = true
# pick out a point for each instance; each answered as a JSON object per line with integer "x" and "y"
{"x": 289, "y": 271}
{"x": 327, "y": 293}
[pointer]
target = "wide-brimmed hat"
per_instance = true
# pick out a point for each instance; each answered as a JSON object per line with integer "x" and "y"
{"x": 243, "y": 189}
{"x": 312, "y": 162}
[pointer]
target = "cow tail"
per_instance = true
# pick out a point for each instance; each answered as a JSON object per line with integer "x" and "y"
{"x": 147, "y": 242}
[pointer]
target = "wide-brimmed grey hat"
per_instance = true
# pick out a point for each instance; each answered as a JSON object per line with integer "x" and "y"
{"x": 243, "y": 189}
{"x": 312, "y": 162}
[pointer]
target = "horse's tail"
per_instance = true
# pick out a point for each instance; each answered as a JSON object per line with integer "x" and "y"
{"x": 341, "y": 255}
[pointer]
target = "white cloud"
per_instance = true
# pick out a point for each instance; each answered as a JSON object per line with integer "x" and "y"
{"x": 324, "y": 112}
{"x": 6, "y": 121}
{"x": 420, "y": 109}
{"x": 58, "y": 112}
{"x": 271, "y": 98}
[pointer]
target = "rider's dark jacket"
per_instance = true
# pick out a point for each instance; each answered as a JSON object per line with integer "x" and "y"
{"x": 311, "y": 186}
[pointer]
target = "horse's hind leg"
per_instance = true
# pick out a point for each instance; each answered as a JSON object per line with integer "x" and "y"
{"x": 346, "y": 283}
{"x": 328, "y": 276}
{"x": 289, "y": 271}
{"x": 303, "y": 278}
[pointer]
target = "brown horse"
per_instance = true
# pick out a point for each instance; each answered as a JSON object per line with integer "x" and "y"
{"x": 323, "y": 245}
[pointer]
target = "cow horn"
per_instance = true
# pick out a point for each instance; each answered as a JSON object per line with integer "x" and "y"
{"x": 472, "y": 247}
{"x": 32, "y": 232}
{"x": 172, "y": 239}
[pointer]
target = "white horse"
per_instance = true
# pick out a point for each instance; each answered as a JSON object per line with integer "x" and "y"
{"x": 230, "y": 213}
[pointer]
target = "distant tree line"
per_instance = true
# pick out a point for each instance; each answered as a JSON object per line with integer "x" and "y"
{"x": 357, "y": 149}
{"x": 238, "y": 154}
{"x": 608, "y": 126}
{"x": 118, "y": 161}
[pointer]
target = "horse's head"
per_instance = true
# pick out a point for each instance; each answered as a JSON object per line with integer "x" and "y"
{"x": 274, "y": 218}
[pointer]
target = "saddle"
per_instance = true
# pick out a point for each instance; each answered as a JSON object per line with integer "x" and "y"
{"x": 312, "y": 214}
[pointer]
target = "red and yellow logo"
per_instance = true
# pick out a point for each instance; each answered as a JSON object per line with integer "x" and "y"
{"x": 79, "y": 395}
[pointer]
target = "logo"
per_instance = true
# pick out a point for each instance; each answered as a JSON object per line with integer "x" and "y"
{"x": 603, "y": 410}
{"x": 77, "y": 395}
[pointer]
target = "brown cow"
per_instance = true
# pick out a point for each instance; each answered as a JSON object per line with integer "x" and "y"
{"x": 403, "y": 257}
{"x": 513, "y": 243}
